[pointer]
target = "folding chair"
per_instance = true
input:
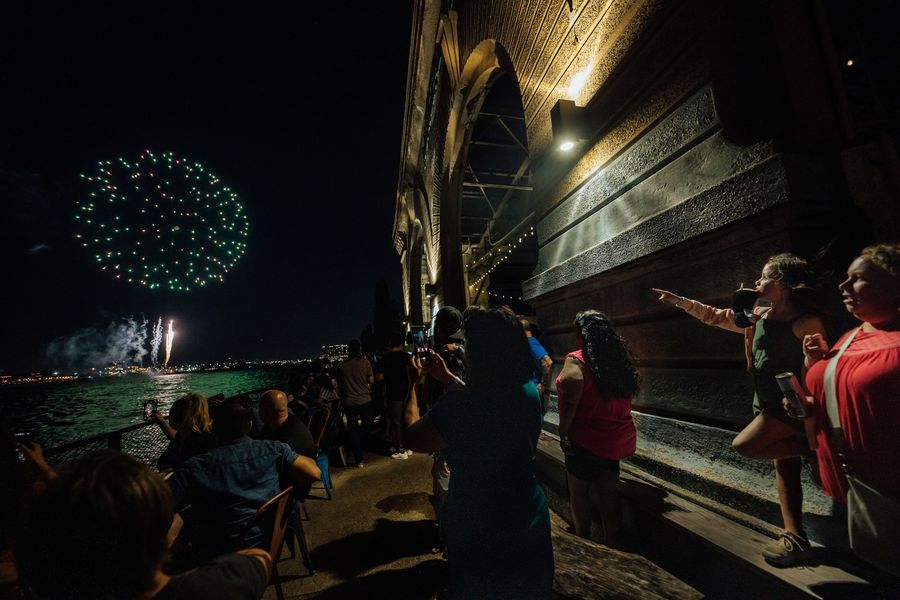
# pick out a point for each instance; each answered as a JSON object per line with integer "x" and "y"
{"x": 319, "y": 426}
{"x": 295, "y": 529}
{"x": 278, "y": 509}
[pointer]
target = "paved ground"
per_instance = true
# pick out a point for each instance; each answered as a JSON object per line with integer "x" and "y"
{"x": 374, "y": 539}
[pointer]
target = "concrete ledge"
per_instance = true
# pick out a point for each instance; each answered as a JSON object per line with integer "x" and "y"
{"x": 689, "y": 123}
{"x": 755, "y": 190}
{"x": 722, "y": 554}
{"x": 701, "y": 457}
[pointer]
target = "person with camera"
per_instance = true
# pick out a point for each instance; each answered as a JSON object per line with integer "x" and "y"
{"x": 498, "y": 522}
{"x": 449, "y": 343}
{"x": 786, "y": 310}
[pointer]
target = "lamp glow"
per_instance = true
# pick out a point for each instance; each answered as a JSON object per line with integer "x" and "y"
{"x": 567, "y": 145}
{"x": 578, "y": 81}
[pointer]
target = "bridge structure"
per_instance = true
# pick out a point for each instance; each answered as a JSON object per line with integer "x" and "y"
{"x": 559, "y": 156}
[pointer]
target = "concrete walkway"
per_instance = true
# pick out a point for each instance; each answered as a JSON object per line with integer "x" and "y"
{"x": 377, "y": 539}
{"x": 374, "y": 539}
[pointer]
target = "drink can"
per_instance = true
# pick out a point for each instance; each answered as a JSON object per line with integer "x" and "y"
{"x": 791, "y": 389}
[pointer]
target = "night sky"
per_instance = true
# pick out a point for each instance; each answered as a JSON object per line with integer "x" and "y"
{"x": 298, "y": 107}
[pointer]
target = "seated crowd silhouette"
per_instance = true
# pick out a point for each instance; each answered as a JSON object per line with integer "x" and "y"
{"x": 230, "y": 484}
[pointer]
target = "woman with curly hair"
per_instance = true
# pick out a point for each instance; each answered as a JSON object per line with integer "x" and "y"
{"x": 595, "y": 388}
{"x": 786, "y": 311}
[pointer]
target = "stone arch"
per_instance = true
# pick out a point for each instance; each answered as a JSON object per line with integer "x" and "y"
{"x": 416, "y": 279}
{"x": 488, "y": 61}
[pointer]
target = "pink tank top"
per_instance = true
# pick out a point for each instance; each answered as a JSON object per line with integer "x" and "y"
{"x": 602, "y": 425}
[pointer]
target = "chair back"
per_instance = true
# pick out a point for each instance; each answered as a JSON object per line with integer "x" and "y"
{"x": 274, "y": 514}
{"x": 318, "y": 425}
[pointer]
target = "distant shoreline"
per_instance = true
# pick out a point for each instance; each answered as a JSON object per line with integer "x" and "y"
{"x": 13, "y": 380}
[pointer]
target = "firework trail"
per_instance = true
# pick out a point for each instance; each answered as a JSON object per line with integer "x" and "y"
{"x": 155, "y": 342}
{"x": 170, "y": 337}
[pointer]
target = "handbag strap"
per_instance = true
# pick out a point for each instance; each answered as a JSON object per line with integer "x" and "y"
{"x": 830, "y": 391}
{"x": 831, "y": 407}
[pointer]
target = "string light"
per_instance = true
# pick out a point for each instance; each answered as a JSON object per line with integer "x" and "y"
{"x": 161, "y": 215}
{"x": 498, "y": 261}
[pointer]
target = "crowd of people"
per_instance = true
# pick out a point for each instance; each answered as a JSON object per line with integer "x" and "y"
{"x": 848, "y": 425}
{"x": 109, "y": 526}
{"x": 471, "y": 397}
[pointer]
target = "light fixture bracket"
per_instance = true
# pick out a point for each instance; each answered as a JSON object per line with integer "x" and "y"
{"x": 569, "y": 123}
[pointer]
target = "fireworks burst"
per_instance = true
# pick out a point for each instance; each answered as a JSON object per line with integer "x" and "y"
{"x": 161, "y": 222}
{"x": 170, "y": 338}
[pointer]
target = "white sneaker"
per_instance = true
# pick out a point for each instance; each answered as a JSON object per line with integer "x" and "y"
{"x": 408, "y": 452}
{"x": 360, "y": 465}
{"x": 400, "y": 455}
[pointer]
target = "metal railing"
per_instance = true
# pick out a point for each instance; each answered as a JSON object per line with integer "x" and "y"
{"x": 143, "y": 441}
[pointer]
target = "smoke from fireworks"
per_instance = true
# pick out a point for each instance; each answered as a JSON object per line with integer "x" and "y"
{"x": 170, "y": 337}
{"x": 155, "y": 342}
{"x": 121, "y": 342}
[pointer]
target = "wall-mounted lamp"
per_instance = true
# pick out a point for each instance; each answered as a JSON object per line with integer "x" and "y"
{"x": 569, "y": 124}
{"x": 430, "y": 290}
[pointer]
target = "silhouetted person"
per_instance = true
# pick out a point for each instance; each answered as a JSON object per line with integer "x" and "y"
{"x": 102, "y": 530}
{"x": 498, "y": 533}
{"x": 355, "y": 378}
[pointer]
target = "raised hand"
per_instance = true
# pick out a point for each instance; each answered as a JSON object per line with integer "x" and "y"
{"x": 814, "y": 348}
{"x": 667, "y": 297}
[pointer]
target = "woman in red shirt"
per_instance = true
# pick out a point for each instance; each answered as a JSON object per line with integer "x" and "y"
{"x": 595, "y": 388}
{"x": 867, "y": 378}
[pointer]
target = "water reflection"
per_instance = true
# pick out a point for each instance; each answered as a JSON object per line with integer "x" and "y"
{"x": 63, "y": 411}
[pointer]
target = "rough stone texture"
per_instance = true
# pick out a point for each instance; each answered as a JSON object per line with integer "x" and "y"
{"x": 700, "y": 459}
{"x": 665, "y": 90}
{"x": 694, "y": 119}
{"x": 696, "y": 171}
{"x": 622, "y": 575}
{"x": 619, "y": 30}
{"x": 722, "y": 395}
{"x": 550, "y": 40}
{"x": 605, "y": 33}
{"x": 745, "y": 195}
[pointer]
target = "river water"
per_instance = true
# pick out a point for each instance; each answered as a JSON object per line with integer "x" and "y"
{"x": 65, "y": 411}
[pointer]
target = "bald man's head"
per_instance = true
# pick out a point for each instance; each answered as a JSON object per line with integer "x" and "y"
{"x": 273, "y": 408}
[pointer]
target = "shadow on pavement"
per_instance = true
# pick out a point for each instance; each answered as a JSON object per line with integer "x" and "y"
{"x": 413, "y": 501}
{"x": 391, "y": 540}
{"x": 419, "y": 582}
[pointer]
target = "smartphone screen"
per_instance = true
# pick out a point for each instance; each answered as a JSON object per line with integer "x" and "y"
{"x": 150, "y": 407}
{"x": 419, "y": 340}
{"x": 22, "y": 438}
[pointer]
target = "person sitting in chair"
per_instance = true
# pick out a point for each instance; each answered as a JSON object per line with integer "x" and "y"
{"x": 280, "y": 425}
{"x": 102, "y": 530}
{"x": 226, "y": 486}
